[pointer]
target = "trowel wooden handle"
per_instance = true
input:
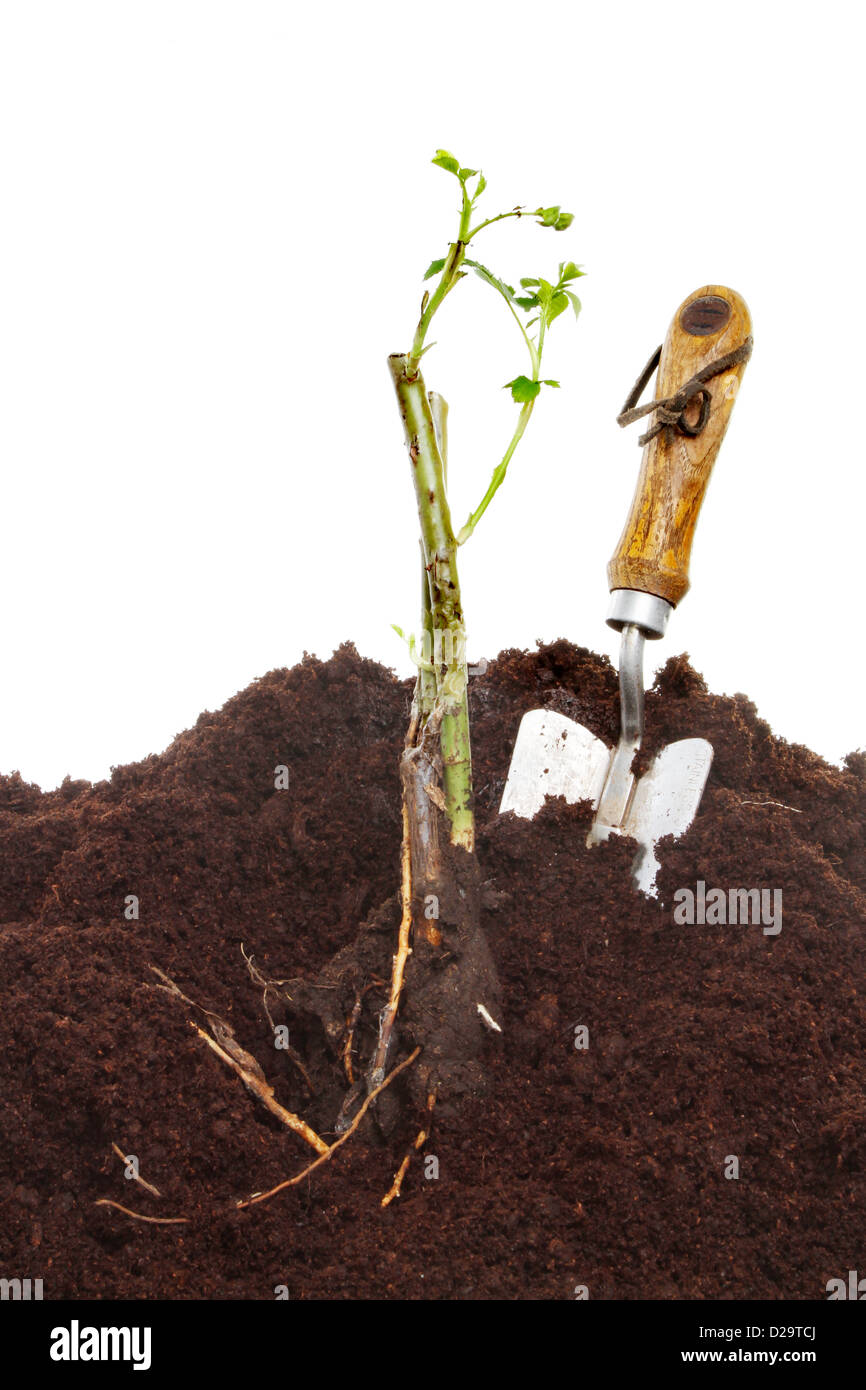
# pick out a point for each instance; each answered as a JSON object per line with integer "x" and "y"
{"x": 654, "y": 549}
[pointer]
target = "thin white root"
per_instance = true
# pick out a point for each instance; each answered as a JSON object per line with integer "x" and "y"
{"x": 487, "y": 1019}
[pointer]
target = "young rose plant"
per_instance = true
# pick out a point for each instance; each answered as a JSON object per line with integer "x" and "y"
{"x": 452, "y": 992}
{"x": 442, "y": 996}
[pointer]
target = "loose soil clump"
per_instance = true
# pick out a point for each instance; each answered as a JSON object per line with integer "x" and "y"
{"x": 556, "y": 1165}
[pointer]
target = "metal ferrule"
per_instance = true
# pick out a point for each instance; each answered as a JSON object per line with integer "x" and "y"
{"x": 646, "y": 611}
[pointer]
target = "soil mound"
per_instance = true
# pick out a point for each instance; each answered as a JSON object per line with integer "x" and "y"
{"x": 602, "y": 1165}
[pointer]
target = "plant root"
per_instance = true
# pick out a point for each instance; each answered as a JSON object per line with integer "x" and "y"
{"x": 317, "y": 1163}
{"x": 136, "y": 1177}
{"x": 289, "y": 1182}
{"x": 440, "y": 969}
{"x": 423, "y": 1134}
{"x": 781, "y": 805}
{"x": 138, "y": 1216}
{"x": 404, "y": 950}
{"x": 255, "y": 1082}
{"x": 224, "y": 1044}
{"x": 351, "y": 1025}
{"x": 258, "y": 978}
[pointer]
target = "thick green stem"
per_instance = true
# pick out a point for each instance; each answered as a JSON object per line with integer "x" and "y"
{"x": 446, "y": 613}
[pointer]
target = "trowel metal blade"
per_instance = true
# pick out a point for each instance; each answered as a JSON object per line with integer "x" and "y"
{"x": 554, "y": 756}
{"x": 665, "y": 802}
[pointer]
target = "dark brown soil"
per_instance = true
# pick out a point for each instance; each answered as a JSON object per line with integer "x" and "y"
{"x": 602, "y": 1167}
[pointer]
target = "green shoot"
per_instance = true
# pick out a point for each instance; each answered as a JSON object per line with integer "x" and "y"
{"x": 441, "y": 696}
{"x": 543, "y": 299}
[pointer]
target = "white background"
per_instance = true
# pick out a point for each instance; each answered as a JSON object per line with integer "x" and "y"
{"x": 215, "y": 221}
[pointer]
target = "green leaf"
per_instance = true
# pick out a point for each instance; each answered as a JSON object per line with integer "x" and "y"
{"x": 522, "y": 389}
{"x": 564, "y": 220}
{"x": 490, "y": 279}
{"x": 546, "y": 381}
{"x": 575, "y": 302}
{"x": 558, "y": 303}
{"x": 479, "y": 187}
{"x": 569, "y": 271}
{"x": 527, "y": 301}
{"x": 434, "y": 268}
{"x": 527, "y": 283}
{"x": 548, "y": 216}
{"x": 447, "y": 161}
{"x": 464, "y": 174}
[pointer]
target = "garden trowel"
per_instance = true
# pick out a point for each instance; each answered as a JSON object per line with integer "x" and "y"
{"x": 699, "y": 370}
